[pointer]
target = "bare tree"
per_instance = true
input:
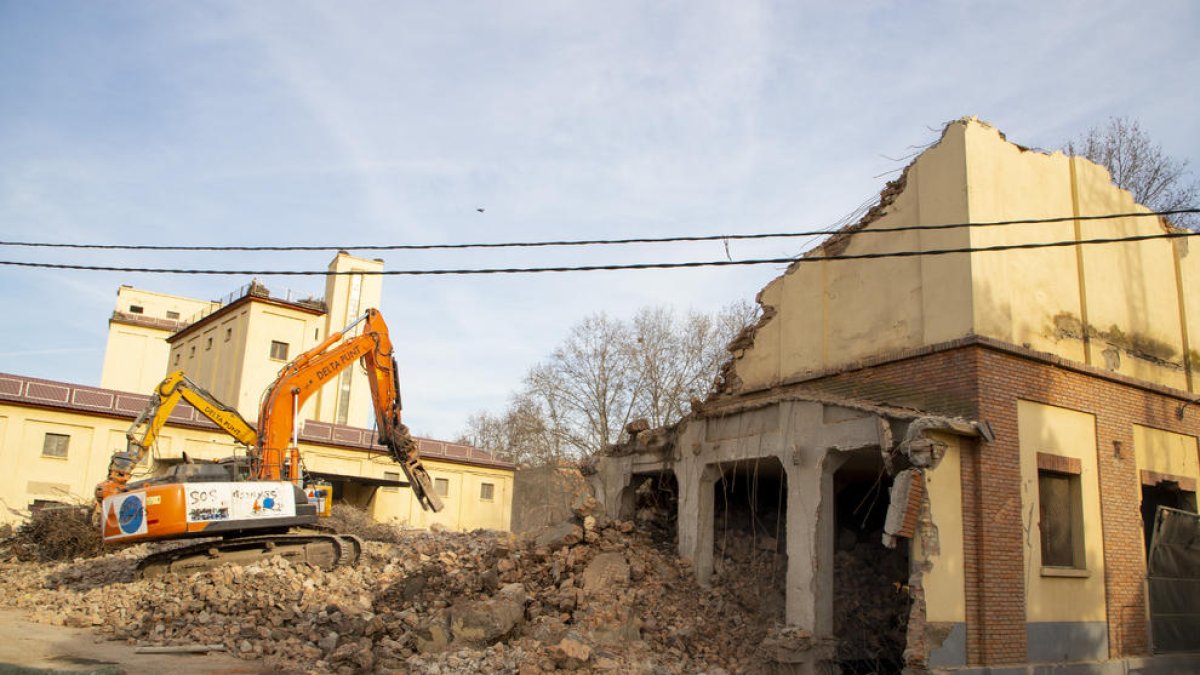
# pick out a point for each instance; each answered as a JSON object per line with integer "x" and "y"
{"x": 1139, "y": 165}
{"x": 678, "y": 360}
{"x": 606, "y": 373}
{"x": 588, "y": 387}
{"x": 523, "y": 435}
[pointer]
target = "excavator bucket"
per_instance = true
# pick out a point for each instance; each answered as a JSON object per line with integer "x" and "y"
{"x": 404, "y": 450}
{"x": 422, "y": 485}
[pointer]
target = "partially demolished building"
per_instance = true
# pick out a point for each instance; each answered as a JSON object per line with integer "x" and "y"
{"x": 964, "y": 461}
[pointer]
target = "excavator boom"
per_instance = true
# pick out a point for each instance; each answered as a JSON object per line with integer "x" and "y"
{"x": 144, "y": 431}
{"x": 278, "y": 457}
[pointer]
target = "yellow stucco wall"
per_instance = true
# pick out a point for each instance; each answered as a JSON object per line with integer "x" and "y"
{"x": 1165, "y": 452}
{"x": 1135, "y": 302}
{"x": 135, "y": 357}
{"x": 945, "y": 583}
{"x": 834, "y": 313}
{"x": 29, "y": 475}
{"x": 1068, "y": 433}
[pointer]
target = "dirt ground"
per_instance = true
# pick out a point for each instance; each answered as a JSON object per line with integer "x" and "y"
{"x": 27, "y": 647}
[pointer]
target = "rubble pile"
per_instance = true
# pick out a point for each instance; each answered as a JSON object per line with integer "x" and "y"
{"x": 753, "y": 570}
{"x": 871, "y": 606}
{"x": 590, "y": 594}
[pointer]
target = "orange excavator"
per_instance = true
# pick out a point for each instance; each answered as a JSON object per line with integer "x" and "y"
{"x": 248, "y": 512}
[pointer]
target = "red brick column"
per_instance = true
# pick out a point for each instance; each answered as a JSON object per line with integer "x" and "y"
{"x": 1000, "y": 564}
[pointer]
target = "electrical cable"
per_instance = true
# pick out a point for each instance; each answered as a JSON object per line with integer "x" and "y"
{"x": 589, "y": 242}
{"x": 612, "y": 267}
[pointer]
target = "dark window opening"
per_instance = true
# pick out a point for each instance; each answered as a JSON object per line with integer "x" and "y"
{"x": 1166, "y": 493}
{"x": 172, "y": 315}
{"x": 136, "y": 309}
{"x": 871, "y": 602}
{"x": 279, "y": 350}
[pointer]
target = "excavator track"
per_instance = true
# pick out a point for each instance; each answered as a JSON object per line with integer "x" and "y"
{"x": 320, "y": 549}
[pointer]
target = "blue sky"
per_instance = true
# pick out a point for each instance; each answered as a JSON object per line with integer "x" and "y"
{"x": 391, "y": 122}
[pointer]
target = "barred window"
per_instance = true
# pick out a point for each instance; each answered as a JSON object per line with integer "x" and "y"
{"x": 279, "y": 350}
{"x": 487, "y": 492}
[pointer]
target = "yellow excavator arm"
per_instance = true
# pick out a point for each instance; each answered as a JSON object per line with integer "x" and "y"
{"x": 145, "y": 429}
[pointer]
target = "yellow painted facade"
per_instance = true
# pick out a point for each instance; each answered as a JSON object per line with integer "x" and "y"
{"x": 1165, "y": 452}
{"x": 136, "y": 355}
{"x": 1129, "y": 308}
{"x": 1053, "y": 594}
{"x": 31, "y": 475}
{"x": 945, "y": 582}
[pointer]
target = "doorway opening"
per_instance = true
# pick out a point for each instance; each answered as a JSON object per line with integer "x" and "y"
{"x": 750, "y": 536}
{"x": 870, "y": 581}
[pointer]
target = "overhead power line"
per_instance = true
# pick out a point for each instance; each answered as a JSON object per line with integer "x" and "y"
{"x": 599, "y": 268}
{"x": 587, "y": 242}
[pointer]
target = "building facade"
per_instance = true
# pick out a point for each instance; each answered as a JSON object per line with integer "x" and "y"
{"x": 1028, "y": 409}
{"x": 56, "y": 439}
{"x": 136, "y": 356}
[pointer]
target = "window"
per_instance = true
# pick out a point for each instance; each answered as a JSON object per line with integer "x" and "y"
{"x": 136, "y": 309}
{"x": 487, "y": 492}
{"x": 279, "y": 350}
{"x": 207, "y": 344}
{"x": 178, "y": 355}
{"x": 55, "y": 445}
{"x": 441, "y": 486}
{"x": 192, "y": 352}
{"x": 172, "y": 315}
{"x": 1060, "y": 501}
{"x": 391, "y": 475}
{"x": 228, "y": 334}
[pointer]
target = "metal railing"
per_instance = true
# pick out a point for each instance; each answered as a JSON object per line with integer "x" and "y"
{"x": 259, "y": 290}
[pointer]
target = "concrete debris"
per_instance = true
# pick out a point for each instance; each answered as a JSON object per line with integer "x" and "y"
{"x": 591, "y": 594}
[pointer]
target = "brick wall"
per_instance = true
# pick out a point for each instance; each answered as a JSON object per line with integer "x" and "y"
{"x": 984, "y": 381}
